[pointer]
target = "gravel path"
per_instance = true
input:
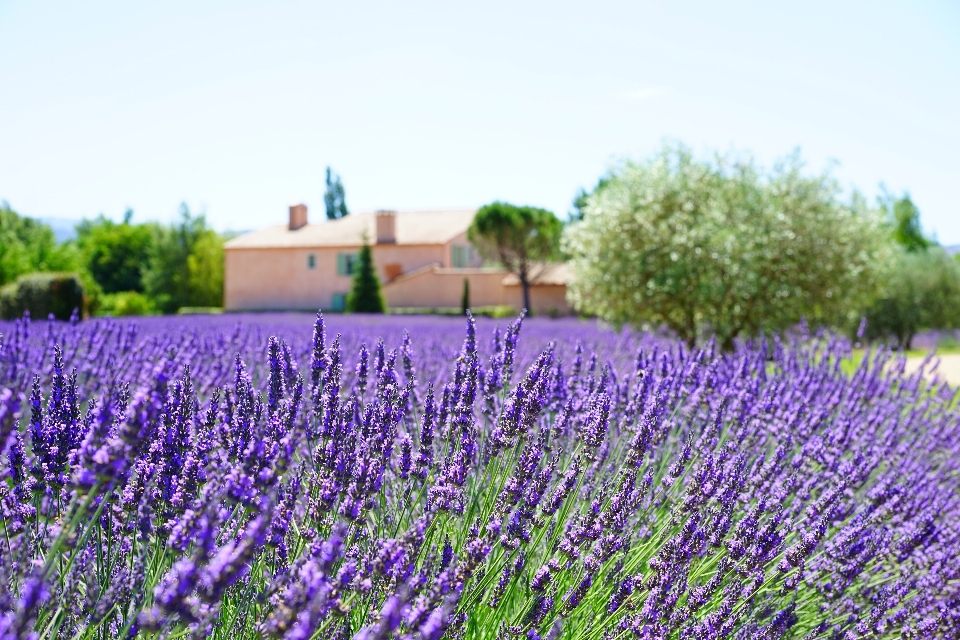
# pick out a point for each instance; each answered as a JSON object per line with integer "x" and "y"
{"x": 949, "y": 368}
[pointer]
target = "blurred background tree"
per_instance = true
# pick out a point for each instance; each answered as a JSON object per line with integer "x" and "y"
{"x": 185, "y": 267}
{"x": 580, "y": 200}
{"x": 522, "y": 239}
{"x": 116, "y": 254}
{"x": 333, "y": 198}
{"x": 922, "y": 290}
{"x": 721, "y": 247}
{"x": 27, "y": 246}
{"x": 905, "y": 220}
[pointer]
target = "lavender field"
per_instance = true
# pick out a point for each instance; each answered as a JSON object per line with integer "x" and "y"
{"x": 423, "y": 478}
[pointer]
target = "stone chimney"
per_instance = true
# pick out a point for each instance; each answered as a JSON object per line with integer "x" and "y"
{"x": 386, "y": 227}
{"x": 298, "y": 216}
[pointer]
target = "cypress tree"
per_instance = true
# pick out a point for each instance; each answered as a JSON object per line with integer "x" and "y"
{"x": 333, "y": 197}
{"x": 465, "y": 297}
{"x": 365, "y": 295}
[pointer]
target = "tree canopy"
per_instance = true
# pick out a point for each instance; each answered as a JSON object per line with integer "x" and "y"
{"x": 28, "y": 245}
{"x": 334, "y": 198}
{"x": 522, "y": 239}
{"x": 116, "y": 254}
{"x": 922, "y": 292}
{"x": 186, "y": 265}
{"x": 719, "y": 246}
{"x": 904, "y": 217}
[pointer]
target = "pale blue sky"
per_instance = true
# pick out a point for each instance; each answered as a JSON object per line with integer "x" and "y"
{"x": 237, "y": 107}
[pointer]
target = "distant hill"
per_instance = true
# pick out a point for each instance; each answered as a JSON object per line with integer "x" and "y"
{"x": 953, "y": 249}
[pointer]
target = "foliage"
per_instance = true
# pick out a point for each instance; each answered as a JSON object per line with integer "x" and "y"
{"x": 125, "y": 303}
{"x": 365, "y": 295}
{"x": 27, "y": 245}
{"x": 492, "y": 311}
{"x": 904, "y": 219}
{"x": 205, "y": 271}
{"x": 719, "y": 246}
{"x": 116, "y": 254}
{"x": 581, "y": 200}
{"x": 42, "y": 294}
{"x": 465, "y": 297}
{"x": 185, "y": 268}
{"x": 922, "y": 292}
{"x": 334, "y": 198}
{"x": 195, "y": 311}
{"x": 521, "y": 238}
{"x": 157, "y": 481}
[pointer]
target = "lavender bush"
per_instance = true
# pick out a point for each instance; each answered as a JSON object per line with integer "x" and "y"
{"x": 214, "y": 478}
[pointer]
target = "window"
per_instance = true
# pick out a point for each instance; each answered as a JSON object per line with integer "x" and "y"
{"x": 460, "y": 256}
{"x": 311, "y": 261}
{"x": 338, "y": 302}
{"x": 346, "y": 264}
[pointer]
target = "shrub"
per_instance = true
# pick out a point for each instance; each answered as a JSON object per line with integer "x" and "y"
{"x": 126, "y": 303}
{"x": 199, "y": 311}
{"x": 43, "y": 294}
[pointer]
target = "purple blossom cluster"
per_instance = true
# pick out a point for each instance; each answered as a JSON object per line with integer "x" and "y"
{"x": 394, "y": 478}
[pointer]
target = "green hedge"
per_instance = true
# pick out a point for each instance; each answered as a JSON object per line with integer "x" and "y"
{"x": 496, "y": 311}
{"x": 125, "y": 303}
{"x": 42, "y": 294}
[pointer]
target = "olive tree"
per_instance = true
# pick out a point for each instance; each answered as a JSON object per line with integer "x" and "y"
{"x": 720, "y": 246}
{"x": 921, "y": 292}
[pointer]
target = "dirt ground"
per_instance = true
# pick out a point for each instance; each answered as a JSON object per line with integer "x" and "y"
{"x": 948, "y": 370}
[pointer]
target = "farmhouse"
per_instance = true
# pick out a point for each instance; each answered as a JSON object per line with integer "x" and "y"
{"x": 422, "y": 258}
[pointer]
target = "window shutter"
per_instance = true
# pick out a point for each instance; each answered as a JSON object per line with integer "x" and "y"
{"x": 342, "y": 264}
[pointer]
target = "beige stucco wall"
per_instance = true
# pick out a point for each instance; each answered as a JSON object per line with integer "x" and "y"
{"x": 546, "y": 300}
{"x": 410, "y": 257}
{"x": 280, "y": 278}
{"x": 444, "y": 288}
{"x": 461, "y": 239}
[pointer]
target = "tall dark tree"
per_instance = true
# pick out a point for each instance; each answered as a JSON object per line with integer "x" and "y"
{"x": 523, "y": 239}
{"x": 333, "y": 197}
{"x": 465, "y": 297}
{"x": 365, "y": 295}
